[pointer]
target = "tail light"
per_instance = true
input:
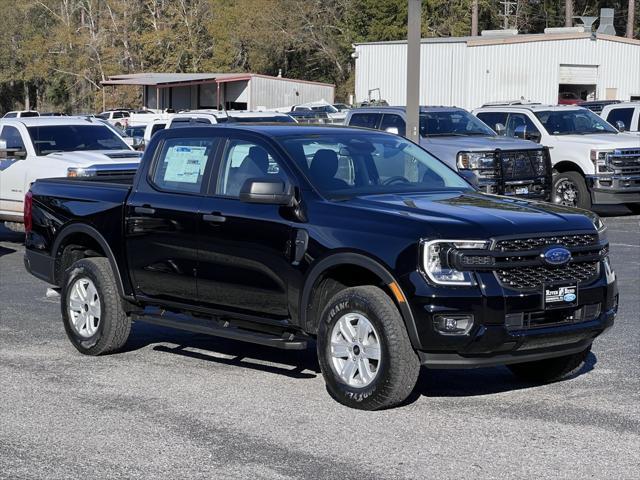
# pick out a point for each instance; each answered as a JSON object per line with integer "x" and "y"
{"x": 28, "y": 210}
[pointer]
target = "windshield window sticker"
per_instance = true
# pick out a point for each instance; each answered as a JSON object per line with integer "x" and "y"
{"x": 185, "y": 164}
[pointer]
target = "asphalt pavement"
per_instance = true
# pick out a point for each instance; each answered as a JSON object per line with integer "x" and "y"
{"x": 182, "y": 405}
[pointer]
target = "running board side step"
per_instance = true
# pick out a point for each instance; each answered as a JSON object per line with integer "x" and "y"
{"x": 222, "y": 328}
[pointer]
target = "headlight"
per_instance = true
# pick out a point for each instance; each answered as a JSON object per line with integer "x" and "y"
{"x": 476, "y": 161}
{"x": 599, "y": 159}
{"x": 598, "y": 223}
{"x": 436, "y": 261}
{"x": 77, "y": 172}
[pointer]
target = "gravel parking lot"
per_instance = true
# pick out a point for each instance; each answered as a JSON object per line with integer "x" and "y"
{"x": 181, "y": 405}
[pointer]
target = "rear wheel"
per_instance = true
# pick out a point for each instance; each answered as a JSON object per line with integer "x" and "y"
{"x": 570, "y": 189}
{"x": 552, "y": 369}
{"x": 92, "y": 312}
{"x": 364, "y": 351}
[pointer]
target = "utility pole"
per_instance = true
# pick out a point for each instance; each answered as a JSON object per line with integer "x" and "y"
{"x": 506, "y": 15}
{"x": 631, "y": 14}
{"x": 568, "y": 13}
{"x": 474, "y": 18}
{"x": 413, "y": 69}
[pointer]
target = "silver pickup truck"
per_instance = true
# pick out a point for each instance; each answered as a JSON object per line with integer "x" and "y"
{"x": 500, "y": 165}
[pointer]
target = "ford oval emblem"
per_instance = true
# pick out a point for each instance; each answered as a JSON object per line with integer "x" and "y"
{"x": 569, "y": 297}
{"x": 557, "y": 256}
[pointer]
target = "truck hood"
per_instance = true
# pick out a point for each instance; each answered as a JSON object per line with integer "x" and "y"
{"x": 601, "y": 141}
{"x": 477, "y": 143}
{"x": 472, "y": 215}
{"x": 96, "y": 157}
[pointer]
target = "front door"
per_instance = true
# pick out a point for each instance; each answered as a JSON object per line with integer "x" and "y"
{"x": 162, "y": 220}
{"x": 245, "y": 253}
{"x": 13, "y": 173}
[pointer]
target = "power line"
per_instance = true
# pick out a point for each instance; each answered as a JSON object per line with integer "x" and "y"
{"x": 508, "y": 7}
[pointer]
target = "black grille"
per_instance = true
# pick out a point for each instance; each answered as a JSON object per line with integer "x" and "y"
{"x": 533, "y": 277}
{"x": 521, "y": 244}
{"x": 522, "y": 165}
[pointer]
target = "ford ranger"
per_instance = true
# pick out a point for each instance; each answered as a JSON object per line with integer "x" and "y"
{"x": 357, "y": 240}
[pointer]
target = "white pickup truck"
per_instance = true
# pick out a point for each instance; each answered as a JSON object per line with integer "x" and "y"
{"x": 594, "y": 164}
{"x": 625, "y": 116}
{"x": 32, "y": 148}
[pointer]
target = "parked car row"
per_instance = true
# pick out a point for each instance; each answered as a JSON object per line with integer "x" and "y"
{"x": 565, "y": 154}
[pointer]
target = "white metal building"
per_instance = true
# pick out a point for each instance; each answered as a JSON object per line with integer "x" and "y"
{"x": 238, "y": 91}
{"x": 470, "y": 71}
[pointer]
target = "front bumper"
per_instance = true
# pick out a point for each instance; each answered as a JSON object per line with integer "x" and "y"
{"x": 492, "y": 341}
{"x": 614, "y": 189}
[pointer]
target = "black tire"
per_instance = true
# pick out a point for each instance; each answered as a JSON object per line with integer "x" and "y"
{"x": 573, "y": 180}
{"x": 399, "y": 366}
{"x": 552, "y": 369}
{"x": 114, "y": 325}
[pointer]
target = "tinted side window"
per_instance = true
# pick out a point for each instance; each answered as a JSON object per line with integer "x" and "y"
{"x": 11, "y": 115}
{"x": 244, "y": 160}
{"x": 12, "y": 136}
{"x": 623, "y": 115}
{"x": 493, "y": 118}
{"x": 393, "y": 121}
{"x": 517, "y": 120}
{"x": 181, "y": 165}
{"x": 367, "y": 120}
{"x": 156, "y": 128}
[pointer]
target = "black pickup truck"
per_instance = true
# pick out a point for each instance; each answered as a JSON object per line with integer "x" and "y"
{"x": 356, "y": 239}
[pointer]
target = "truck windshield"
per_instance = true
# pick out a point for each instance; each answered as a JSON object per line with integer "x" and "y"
{"x": 344, "y": 165}
{"x": 573, "y": 122}
{"x": 71, "y": 138}
{"x": 456, "y": 123}
{"x": 265, "y": 119}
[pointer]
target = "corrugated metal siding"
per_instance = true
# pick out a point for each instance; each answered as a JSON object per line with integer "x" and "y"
{"x": 455, "y": 74}
{"x": 273, "y": 92}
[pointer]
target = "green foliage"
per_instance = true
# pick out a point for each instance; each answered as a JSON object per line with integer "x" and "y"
{"x": 56, "y": 52}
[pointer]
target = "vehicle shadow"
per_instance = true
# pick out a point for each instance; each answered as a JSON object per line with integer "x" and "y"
{"x": 304, "y": 364}
{"x": 6, "y": 251}
{"x": 301, "y": 364}
{"x": 475, "y": 382}
{"x": 7, "y": 235}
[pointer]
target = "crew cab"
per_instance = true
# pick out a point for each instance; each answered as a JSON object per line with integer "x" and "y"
{"x": 624, "y": 116}
{"x": 361, "y": 240}
{"x": 593, "y": 163}
{"x": 32, "y": 148}
{"x": 500, "y": 165}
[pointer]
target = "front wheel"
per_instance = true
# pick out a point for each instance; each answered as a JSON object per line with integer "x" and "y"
{"x": 364, "y": 351}
{"x": 92, "y": 311}
{"x": 570, "y": 189}
{"x": 552, "y": 369}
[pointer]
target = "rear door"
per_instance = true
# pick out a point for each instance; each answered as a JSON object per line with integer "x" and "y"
{"x": 245, "y": 249}
{"x": 162, "y": 220}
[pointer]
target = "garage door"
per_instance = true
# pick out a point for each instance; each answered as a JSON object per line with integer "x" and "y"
{"x": 579, "y": 74}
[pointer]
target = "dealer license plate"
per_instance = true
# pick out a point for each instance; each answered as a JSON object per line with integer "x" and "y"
{"x": 560, "y": 296}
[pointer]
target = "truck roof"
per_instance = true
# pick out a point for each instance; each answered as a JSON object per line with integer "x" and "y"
{"x": 534, "y": 107}
{"x": 399, "y": 108}
{"x": 271, "y": 129}
{"x": 52, "y": 121}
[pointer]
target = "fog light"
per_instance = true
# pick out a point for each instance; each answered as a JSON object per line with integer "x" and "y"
{"x": 453, "y": 324}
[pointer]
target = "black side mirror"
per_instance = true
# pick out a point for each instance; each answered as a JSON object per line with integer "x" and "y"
{"x": 470, "y": 177}
{"x": 268, "y": 191}
{"x": 14, "y": 153}
{"x": 621, "y": 126}
{"x": 522, "y": 133}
